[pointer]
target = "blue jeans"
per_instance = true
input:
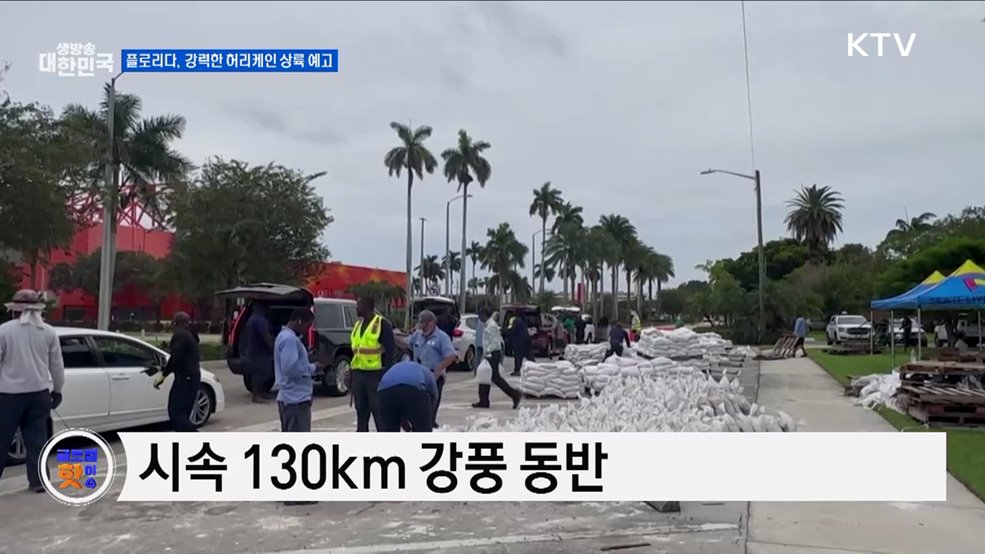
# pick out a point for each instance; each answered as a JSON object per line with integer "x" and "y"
{"x": 478, "y": 359}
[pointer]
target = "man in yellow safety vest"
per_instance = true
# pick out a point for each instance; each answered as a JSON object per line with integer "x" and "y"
{"x": 373, "y": 352}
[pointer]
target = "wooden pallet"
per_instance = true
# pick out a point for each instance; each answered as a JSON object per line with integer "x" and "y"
{"x": 942, "y": 395}
{"x": 784, "y": 348}
{"x": 941, "y": 367}
{"x": 964, "y": 416}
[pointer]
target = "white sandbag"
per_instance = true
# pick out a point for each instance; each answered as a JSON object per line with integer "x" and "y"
{"x": 483, "y": 373}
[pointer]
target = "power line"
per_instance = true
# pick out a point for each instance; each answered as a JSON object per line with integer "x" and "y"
{"x": 745, "y": 47}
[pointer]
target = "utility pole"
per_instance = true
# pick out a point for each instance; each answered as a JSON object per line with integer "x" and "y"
{"x": 759, "y": 231}
{"x": 420, "y": 269}
{"x": 107, "y": 255}
{"x": 448, "y": 278}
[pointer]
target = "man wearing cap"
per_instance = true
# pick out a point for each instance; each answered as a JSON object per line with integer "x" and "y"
{"x": 433, "y": 349}
{"x": 32, "y": 374}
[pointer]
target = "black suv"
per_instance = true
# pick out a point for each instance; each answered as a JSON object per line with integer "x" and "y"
{"x": 328, "y": 341}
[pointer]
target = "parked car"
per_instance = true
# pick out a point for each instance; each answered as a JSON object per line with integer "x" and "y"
{"x": 562, "y": 311}
{"x": 463, "y": 334}
{"x": 883, "y": 333}
{"x": 972, "y": 333}
{"x": 539, "y": 329}
{"x": 106, "y": 390}
{"x": 328, "y": 340}
{"x": 847, "y": 328}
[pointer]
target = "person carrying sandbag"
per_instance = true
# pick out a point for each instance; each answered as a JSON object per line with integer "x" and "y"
{"x": 488, "y": 371}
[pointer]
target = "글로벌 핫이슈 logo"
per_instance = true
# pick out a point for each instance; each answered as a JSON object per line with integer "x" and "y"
{"x": 77, "y": 467}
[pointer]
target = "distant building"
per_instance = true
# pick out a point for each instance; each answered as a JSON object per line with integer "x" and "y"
{"x": 137, "y": 232}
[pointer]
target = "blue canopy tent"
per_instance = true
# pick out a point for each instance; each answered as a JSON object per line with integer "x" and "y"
{"x": 964, "y": 289}
{"x": 904, "y": 300}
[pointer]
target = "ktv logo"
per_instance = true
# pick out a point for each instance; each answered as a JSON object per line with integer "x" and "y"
{"x": 855, "y": 43}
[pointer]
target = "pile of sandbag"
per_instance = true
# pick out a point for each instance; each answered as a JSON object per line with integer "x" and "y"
{"x": 657, "y": 401}
{"x": 585, "y": 354}
{"x": 878, "y": 390}
{"x": 597, "y": 376}
{"x": 680, "y": 343}
{"x": 559, "y": 379}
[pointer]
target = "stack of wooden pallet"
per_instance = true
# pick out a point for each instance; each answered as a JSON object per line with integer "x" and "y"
{"x": 938, "y": 392}
{"x": 784, "y": 348}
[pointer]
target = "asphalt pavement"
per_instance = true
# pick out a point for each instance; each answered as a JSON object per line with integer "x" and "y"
{"x": 35, "y": 523}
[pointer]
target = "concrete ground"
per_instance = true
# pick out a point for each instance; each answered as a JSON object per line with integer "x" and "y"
{"x": 801, "y": 388}
{"x": 34, "y": 523}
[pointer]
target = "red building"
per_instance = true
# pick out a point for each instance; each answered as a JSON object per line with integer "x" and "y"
{"x": 136, "y": 233}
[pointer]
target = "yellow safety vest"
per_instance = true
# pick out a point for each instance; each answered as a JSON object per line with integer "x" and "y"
{"x": 367, "y": 352}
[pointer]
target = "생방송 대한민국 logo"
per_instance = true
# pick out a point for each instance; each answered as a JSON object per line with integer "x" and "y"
{"x": 78, "y": 467}
{"x": 75, "y": 60}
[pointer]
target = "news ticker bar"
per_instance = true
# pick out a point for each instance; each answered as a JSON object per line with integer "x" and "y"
{"x": 556, "y": 467}
{"x": 229, "y": 61}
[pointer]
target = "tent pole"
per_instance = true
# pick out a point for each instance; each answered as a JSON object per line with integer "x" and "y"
{"x": 872, "y": 333}
{"x": 919, "y": 336}
{"x": 979, "y": 332}
{"x": 892, "y": 338}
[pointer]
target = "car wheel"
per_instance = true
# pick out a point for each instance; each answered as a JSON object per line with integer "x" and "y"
{"x": 17, "y": 452}
{"x": 338, "y": 387}
{"x": 469, "y": 358}
{"x": 246, "y": 383}
{"x": 827, "y": 336}
{"x": 203, "y": 407}
{"x": 265, "y": 386}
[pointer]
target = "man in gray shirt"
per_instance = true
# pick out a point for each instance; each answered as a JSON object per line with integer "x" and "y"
{"x": 32, "y": 374}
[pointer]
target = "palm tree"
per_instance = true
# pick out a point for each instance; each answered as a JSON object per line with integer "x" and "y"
{"x": 661, "y": 270}
{"x": 547, "y": 272}
{"x": 465, "y": 164}
{"x": 433, "y": 271}
{"x": 562, "y": 251}
{"x": 916, "y": 225}
{"x": 474, "y": 252}
{"x": 547, "y": 202}
{"x": 815, "y": 218}
{"x": 592, "y": 260}
{"x": 621, "y": 232}
{"x": 502, "y": 252}
{"x": 567, "y": 214}
{"x": 453, "y": 262}
{"x": 413, "y": 156}
{"x": 142, "y": 153}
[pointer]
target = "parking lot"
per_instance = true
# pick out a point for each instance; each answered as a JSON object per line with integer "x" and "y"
{"x": 108, "y": 526}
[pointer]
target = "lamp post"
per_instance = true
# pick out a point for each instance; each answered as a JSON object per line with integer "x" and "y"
{"x": 108, "y": 253}
{"x": 533, "y": 259}
{"x": 448, "y": 244}
{"x": 759, "y": 229}
{"x": 420, "y": 268}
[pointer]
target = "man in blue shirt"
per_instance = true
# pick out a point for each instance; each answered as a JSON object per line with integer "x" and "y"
{"x": 294, "y": 372}
{"x": 800, "y": 331}
{"x": 408, "y": 392}
{"x": 433, "y": 349}
{"x": 259, "y": 350}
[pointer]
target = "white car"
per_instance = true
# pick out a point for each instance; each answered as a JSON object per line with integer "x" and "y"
{"x": 559, "y": 311}
{"x": 463, "y": 339}
{"x": 848, "y": 328}
{"x": 106, "y": 390}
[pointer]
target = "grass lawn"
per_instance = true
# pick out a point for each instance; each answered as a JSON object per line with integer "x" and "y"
{"x": 965, "y": 447}
{"x": 818, "y": 336}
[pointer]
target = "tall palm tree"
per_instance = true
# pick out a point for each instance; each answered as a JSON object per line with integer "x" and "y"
{"x": 545, "y": 271}
{"x": 474, "y": 252}
{"x": 594, "y": 251}
{"x": 815, "y": 217}
{"x": 547, "y": 201}
{"x": 502, "y": 252}
{"x": 567, "y": 214}
{"x": 453, "y": 262}
{"x": 432, "y": 270}
{"x": 621, "y": 232}
{"x": 562, "y": 251}
{"x": 465, "y": 164}
{"x": 662, "y": 270}
{"x": 917, "y": 224}
{"x": 142, "y": 154}
{"x": 413, "y": 156}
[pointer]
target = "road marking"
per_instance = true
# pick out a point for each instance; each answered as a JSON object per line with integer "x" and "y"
{"x": 520, "y": 539}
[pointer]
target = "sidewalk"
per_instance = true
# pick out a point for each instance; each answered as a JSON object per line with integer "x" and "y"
{"x": 801, "y": 388}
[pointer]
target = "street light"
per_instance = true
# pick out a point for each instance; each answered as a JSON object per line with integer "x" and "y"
{"x": 420, "y": 268}
{"x": 107, "y": 257}
{"x": 533, "y": 256}
{"x": 448, "y": 245}
{"x": 759, "y": 228}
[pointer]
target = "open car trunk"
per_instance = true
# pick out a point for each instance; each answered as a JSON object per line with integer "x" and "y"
{"x": 281, "y": 301}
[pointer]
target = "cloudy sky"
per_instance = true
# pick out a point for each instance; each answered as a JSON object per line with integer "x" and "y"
{"x": 620, "y": 105}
